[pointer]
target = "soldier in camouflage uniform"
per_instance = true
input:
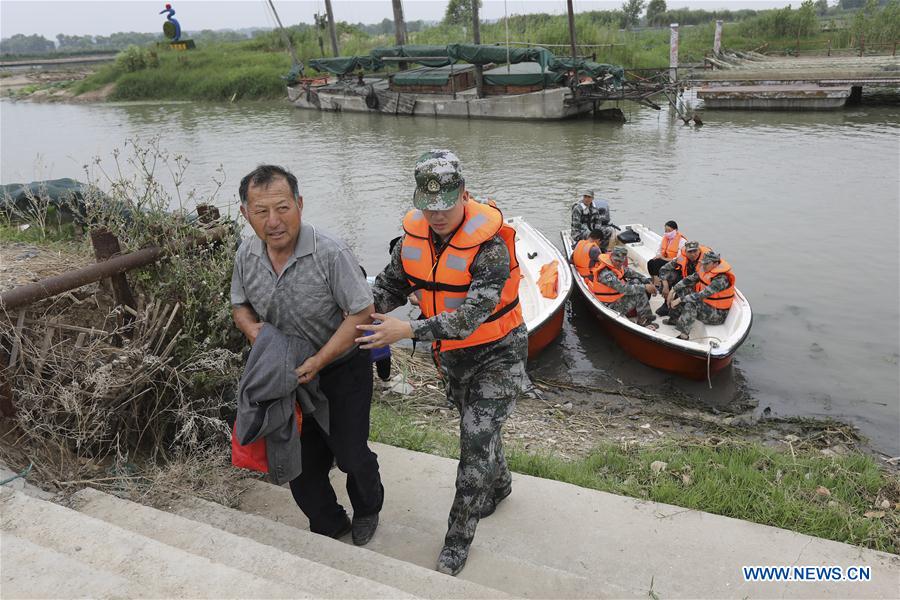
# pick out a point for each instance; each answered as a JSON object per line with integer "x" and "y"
{"x": 691, "y": 303}
{"x": 483, "y": 381}
{"x": 670, "y": 274}
{"x": 585, "y": 218}
{"x": 635, "y": 287}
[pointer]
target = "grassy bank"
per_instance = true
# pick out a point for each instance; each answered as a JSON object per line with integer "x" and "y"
{"x": 834, "y": 497}
{"x": 252, "y": 69}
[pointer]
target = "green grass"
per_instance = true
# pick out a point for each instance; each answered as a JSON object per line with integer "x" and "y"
{"x": 746, "y": 481}
{"x": 61, "y": 235}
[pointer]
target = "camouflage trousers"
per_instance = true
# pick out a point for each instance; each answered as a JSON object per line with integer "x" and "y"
{"x": 689, "y": 312}
{"x": 484, "y": 397}
{"x": 637, "y": 302}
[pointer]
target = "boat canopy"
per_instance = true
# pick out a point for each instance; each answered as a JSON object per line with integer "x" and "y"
{"x": 475, "y": 54}
{"x": 429, "y": 75}
{"x": 341, "y": 65}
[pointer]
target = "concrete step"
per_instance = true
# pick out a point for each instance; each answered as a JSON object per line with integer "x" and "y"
{"x": 424, "y": 583}
{"x": 33, "y": 571}
{"x": 162, "y": 570}
{"x": 618, "y": 544}
{"x": 417, "y": 539}
{"x": 226, "y": 548}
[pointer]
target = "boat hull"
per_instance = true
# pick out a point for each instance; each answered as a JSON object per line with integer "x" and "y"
{"x": 544, "y": 105}
{"x": 657, "y": 355}
{"x": 549, "y": 330}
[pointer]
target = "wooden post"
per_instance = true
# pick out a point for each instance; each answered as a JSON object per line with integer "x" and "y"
{"x": 673, "y": 52}
{"x": 829, "y": 46}
{"x": 717, "y": 40}
{"x": 894, "y": 53}
{"x": 331, "y": 29}
{"x": 476, "y": 37}
{"x": 862, "y": 44}
{"x": 106, "y": 245}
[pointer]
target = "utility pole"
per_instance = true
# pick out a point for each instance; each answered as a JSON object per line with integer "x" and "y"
{"x": 572, "y": 34}
{"x": 399, "y": 23}
{"x": 476, "y": 37}
{"x": 331, "y": 30}
{"x": 287, "y": 38}
{"x": 399, "y": 29}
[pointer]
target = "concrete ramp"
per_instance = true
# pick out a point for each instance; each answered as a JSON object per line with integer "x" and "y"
{"x": 591, "y": 544}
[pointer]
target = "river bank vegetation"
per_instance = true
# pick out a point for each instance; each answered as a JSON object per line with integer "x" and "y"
{"x": 220, "y": 70}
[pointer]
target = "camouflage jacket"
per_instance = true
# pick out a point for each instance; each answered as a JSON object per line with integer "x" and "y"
{"x": 634, "y": 282}
{"x": 671, "y": 271}
{"x": 719, "y": 283}
{"x": 490, "y": 270}
{"x": 584, "y": 219}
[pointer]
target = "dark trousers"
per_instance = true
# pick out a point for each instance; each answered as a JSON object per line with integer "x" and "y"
{"x": 654, "y": 265}
{"x": 348, "y": 387}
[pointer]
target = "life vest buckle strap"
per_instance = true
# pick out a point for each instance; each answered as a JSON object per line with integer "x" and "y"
{"x": 509, "y": 307}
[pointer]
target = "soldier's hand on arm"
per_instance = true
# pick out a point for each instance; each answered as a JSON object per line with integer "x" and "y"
{"x": 337, "y": 345}
{"x": 384, "y": 331}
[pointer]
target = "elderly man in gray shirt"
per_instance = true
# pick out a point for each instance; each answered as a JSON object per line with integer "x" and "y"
{"x": 308, "y": 283}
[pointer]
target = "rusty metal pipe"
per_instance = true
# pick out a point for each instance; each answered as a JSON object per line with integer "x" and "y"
{"x": 58, "y": 284}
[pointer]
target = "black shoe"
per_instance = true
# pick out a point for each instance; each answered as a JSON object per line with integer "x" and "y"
{"x": 663, "y": 310}
{"x": 491, "y": 505}
{"x": 343, "y": 530}
{"x": 364, "y": 528}
{"x": 452, "y": 560}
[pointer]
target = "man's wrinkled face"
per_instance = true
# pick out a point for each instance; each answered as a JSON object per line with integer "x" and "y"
{"x": 445, "y": 222}
{"x": 274, "y": 214}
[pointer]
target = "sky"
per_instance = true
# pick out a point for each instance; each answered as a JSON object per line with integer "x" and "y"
{"x": 97, "y": 17}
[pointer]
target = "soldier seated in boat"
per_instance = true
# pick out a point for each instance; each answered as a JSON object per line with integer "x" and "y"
{"x": 677, "y": 269}
{"x": 586, "y": 254}
{"x": 584, "y": 217}
{"x": 623, "y": 289}
{"x": 712, "y": 296}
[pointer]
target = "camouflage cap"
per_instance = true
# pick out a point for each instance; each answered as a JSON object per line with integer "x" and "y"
{"x": 710, "y": 257}
{"x": 439, "y": 181}
{"x": 692, "y": 245}
{"x": 588, "y": 193}
{"x": 619, "y": 253}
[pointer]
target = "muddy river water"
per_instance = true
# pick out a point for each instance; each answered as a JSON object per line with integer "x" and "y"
{"x": 803, "y": 205}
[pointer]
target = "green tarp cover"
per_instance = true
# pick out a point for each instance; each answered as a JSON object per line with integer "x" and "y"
{"x": 482, "y": 55}
{"x": 429, "y": 75}
{"x": 67, "y": 195}
{"x": 527, "y": 73}
{"x": 413, "y": 51}
{"x": 342, "y": 65}
{"x": 596, "y": 70}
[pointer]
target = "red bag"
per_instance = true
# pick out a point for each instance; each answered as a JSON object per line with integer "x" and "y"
{"x": 253, "y": 456}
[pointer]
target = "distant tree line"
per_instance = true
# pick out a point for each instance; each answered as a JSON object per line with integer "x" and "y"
{"x": 37, "y": 44}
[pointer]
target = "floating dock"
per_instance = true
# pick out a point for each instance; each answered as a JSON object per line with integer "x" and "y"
{"x": 775, "y": 97}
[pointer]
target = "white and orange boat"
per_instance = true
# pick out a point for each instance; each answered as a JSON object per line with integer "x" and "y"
{"x": 543, "y": 316}
{"x": 710, "y": 348}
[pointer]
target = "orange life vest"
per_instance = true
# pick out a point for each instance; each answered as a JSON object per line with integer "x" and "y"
{"x": 581, "y": 257}
{"x": 683, "y": 261}
{"x": 669, "y": 248}
{"x": 721, "y": 300}
{"x": 444, "y": 279}
{"x": 603, "y": 292}
{"x": 548, "y": 281}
